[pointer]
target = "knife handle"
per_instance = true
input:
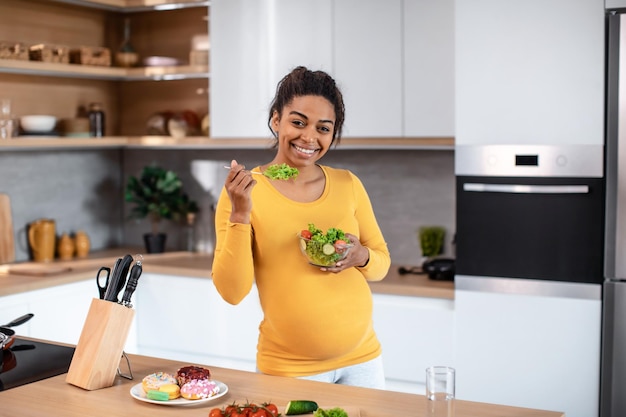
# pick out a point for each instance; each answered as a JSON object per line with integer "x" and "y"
{"x": 112, "y": 284}
{"x": 131, "y": 286}
{"x": 124, "y": 267}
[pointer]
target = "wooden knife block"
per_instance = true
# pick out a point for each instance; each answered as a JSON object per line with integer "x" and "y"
{"x": 100, "y": 346}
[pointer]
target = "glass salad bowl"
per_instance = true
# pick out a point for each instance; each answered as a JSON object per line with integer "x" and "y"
{"x": 323, "y": 254}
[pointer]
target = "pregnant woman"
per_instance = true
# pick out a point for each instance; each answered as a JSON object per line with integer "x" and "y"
{"x": 317, "y": 321}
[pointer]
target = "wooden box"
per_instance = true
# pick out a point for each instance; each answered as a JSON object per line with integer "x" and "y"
{"x": 100, "y": 346}
{"x": 13, "y": 50}
{"x": 49, "y": 53}
{"x": 91, "y": 55}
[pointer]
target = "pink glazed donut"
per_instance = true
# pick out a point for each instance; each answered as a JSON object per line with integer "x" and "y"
{"x": 198, "y": 389}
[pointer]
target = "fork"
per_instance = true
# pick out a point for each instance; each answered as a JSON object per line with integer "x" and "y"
{"x": 251, "y": 172}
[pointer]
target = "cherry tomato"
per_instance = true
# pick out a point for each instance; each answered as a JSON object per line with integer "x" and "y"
{"x": 239, "y": 412}
{"x": 306, "y": 234}
{"x": 259, "y": 412}
{"x": 230, "y": 409}
{"x": 340, "y": 246}
{"x": 272, "y": 409}
{"x": 216, "y": 412}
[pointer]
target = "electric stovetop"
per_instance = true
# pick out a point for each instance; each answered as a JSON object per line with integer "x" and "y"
{"x": 28, "y": 361}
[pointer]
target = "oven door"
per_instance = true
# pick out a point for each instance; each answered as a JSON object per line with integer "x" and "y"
{"x": 529, "y": 227}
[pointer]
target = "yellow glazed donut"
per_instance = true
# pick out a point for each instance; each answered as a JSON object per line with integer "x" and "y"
{"x": 173, "y": 390}
{"x": 154, "y": 381}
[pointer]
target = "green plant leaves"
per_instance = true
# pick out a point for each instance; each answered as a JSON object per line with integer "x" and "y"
{"x": 158, "y": 194}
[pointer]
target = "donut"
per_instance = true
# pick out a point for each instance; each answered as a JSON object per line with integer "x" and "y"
{"x": 154, "y": 381}
{"x": 187, "y": 373}
{"x": 198, "y": 389}
{"x": 173, "y": 390}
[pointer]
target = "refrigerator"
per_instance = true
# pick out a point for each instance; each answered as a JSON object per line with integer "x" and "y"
{"x": 613, "y": 383}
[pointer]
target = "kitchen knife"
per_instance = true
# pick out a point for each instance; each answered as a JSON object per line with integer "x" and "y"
{"x": 118, "y": 279}
{"x": 109, "y": 289}
{"x": 131, "y": 286}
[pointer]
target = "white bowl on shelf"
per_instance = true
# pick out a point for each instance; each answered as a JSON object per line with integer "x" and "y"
{"x": 36, "y": 123}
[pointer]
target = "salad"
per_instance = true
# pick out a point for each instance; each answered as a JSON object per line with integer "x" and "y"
{"x": 281, "y": 172}
{"x": 324, "y": 249}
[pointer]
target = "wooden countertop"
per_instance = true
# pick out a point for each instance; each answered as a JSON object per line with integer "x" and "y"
{"x": 54, "y": 397}
{"x": 29, "y": 276}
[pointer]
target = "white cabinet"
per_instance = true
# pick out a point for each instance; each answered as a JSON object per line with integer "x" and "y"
{"x": 392, "y": 60}
{"x": 414, "y": 333}
{"x": 530, "y": 72}
{"x": 614, "y": 4}
{"x": 311, "y": 47}
{"x": 367, "y": 65}
{"x": 186, "y": 319}
{"x": 12, "y": 307}
{"x": 240, "y": 87}
{"x": 59, "y": 312}
{"x": 254, "y": 43}
{"x": 428, "y": 74}
{"x": 528, "y": 351}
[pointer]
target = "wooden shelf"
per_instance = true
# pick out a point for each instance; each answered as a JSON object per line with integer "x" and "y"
{"x": 137, "y": 5}
{"x": 203, "y": 142}
{"x": 104, "y": 73}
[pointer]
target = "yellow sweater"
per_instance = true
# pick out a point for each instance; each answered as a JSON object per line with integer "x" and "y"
{"x": 313, "y": 321}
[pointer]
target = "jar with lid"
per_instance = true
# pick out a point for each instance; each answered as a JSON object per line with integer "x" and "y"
{"x": 96, "y": 120}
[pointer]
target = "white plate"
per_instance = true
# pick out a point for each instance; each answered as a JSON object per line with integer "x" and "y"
{"x": 138, "y": 393}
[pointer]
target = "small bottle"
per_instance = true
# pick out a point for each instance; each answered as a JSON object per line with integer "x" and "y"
{"x": 126, "y": 55}
{"x": 190, "y": 236}
{"x": 96, "y": 120}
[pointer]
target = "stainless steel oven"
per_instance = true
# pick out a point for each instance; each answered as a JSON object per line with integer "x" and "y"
{"x": 534, "y": 212}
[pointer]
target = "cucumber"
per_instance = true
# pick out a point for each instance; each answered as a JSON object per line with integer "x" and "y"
{"x": 328, "y": 249}
{"x": 300, "y": 407}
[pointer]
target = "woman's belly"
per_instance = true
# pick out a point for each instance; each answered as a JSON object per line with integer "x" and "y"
{"x": 316, "y": 318}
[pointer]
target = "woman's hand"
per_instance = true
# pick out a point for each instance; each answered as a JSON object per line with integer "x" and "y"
{"x": 239, "y": 184}
{"x": 357, "y": 256}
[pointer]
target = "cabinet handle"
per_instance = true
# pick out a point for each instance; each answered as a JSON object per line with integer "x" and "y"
{"x": 526, "y": 189}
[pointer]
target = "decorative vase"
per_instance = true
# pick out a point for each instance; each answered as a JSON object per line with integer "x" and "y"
{"x": 65, "y": 247}
{"x": 82, "y": 243}
{"x": 155, "y": 243}
{"x": 126, "y": 56}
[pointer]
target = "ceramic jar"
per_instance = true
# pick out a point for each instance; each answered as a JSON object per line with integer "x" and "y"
{"x": 82, "y": 244}
{"x": 65, "y": 247}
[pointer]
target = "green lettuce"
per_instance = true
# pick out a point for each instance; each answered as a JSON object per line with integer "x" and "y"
{"x": 281, "y": 172}
{"x": 332, "y": 412}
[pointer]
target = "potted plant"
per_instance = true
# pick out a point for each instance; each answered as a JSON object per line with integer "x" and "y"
{"x": 158, "y": 194}
{"x": 431, "y": 240}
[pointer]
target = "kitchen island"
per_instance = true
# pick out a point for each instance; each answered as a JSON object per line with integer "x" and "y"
{"x": 54, "y": 397}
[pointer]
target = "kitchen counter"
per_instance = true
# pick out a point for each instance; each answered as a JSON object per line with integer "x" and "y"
{"x": 54, "y": 397}
{"x": 27, "y": 276}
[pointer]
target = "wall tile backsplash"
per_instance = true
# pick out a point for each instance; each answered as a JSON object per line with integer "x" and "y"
{"x": 84, "y": 190}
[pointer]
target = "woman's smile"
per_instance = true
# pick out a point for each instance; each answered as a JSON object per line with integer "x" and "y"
{"x": 306, "y": 151}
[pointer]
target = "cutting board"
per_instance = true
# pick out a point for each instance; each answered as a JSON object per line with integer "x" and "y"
{"x": 7, "y": 243}
{"x": 41, "y": 270}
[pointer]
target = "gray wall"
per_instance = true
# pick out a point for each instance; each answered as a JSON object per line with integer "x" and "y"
{"x": 83, "y": 190}
{"x": 80, "y": 190}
